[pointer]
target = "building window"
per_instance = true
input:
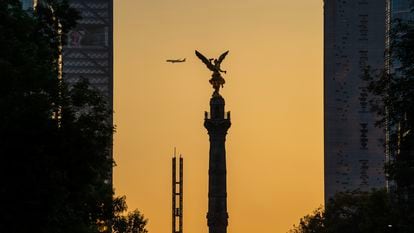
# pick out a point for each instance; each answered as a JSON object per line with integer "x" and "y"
{"x": 27, "y": 4}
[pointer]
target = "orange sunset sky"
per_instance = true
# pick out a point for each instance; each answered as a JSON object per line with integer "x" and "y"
{"x": 274, "y": 90}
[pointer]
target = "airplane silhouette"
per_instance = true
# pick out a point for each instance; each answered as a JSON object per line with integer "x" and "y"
{"x": 175, "y": 60}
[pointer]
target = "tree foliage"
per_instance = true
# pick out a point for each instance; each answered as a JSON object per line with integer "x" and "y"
{"x": 312, "y": 223}
{"x": 356, "y": 212}
{"x": 393, "y": 100}
{"x": 132, "y": 222}
{"x": 55, "y": 141}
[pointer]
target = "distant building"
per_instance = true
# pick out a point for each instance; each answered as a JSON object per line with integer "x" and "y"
{"x": 357, "y": 34}
{"x": 402, "y": 9}
{"x": 89, "y": 51}
{"x": 27, "y": 4}
{"x": 354, "y": 37}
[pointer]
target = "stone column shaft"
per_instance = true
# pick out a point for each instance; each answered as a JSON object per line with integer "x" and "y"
{"x": 217, "y": 126}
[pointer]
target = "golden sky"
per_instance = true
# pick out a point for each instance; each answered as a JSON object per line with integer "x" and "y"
{"x": 274, "y": 90}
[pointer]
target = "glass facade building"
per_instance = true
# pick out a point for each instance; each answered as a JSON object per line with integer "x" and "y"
{"x": 27, "y": 4}
{"x": 402, "y": 9}
{"x": 354, "y": 37}
{"x": 89, "y": 51}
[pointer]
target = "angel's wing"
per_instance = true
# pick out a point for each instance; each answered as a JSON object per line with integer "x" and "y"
{"x": 204, "y": 60}
{"x": 222, "y": 56}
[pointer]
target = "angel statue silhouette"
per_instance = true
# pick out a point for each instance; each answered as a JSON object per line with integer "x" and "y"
{"x": 214, "y": 65}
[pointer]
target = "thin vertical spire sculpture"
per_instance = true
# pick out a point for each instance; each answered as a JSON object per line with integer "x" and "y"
{"x": 177, "y": 194}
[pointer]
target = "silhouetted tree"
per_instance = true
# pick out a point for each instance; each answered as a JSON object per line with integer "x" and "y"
{"x": 55, "y": 142}
{"x": 355, "y": 212}
{"x": 312, "y": 223}
{"x": 393, "y": 100}
{"x": 132, "y": 222}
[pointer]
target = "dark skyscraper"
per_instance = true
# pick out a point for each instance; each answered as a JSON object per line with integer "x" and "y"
{"x": 357, "y": 34}
{"x": 354, "y": 37}
{"x": 217, "y": 125}
{"x": 402, "y": 9}
{"x": 27, "y": 4}
{"x": 89, "y": 52}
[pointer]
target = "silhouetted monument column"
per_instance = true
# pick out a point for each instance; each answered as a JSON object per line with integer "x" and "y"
{"x": 217, "y": 126}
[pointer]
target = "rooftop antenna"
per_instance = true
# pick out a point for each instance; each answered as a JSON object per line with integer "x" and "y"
{"x": 177, "y": 194}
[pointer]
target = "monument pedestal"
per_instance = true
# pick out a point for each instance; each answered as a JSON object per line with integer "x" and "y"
{"x": 217, "y": 123}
